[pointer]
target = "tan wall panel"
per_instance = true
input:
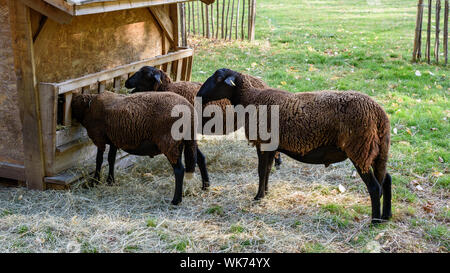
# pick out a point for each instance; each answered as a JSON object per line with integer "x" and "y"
{"x": 11, "y": 145}
{"x": 93, "y": 43}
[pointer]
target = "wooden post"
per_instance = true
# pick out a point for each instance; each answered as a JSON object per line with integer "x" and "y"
{"x": 446, "y": 11}
{"x": 212, "y": 20}
{"x": 173, "y": 10}
{"x": 193, "y": 17}
{"x": 183, "y": 24}
{"x": 28, "y": 94}
{"x": 418, "y": 33}
{"x": 198, "y": 16}
{"x": 223, "y": 18}
{"x": 242, "y": 22}
{"x": 208, "y": 34}
{"x": 438, "y": 18}
{"x": 251, "y": 23}
{"x": 428, "y": 46}
{"x": 226, "y": 20}
{"x": 188, "y": 17}
{"x": 231, "y": 20}
{"x": 237, "y": 20}
{"x": 203, "y": 18}
{"x": 217, "y": 21}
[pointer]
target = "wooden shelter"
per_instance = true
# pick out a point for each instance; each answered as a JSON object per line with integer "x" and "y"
{"x": 51, "y": 48}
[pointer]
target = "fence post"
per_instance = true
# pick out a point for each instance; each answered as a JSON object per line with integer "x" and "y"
{"x": 418, "y": 32}
{"x": 438, "y": 18}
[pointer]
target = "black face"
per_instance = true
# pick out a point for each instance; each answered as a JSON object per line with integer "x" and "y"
{"x": 147, "y": 78}
{"x": 221, "y": 85}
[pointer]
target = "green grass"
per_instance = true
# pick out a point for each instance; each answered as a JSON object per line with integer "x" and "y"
{"x": 350, "y": 45}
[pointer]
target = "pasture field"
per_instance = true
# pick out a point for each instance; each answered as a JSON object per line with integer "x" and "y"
{"x": 300, "y": 46}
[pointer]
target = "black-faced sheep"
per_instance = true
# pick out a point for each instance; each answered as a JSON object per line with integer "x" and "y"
{"x": 149, "y": 78}
{"x": 139, "y": 124}
{"x": 318, "y": 128}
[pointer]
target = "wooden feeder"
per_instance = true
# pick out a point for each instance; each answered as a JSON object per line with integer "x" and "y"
{"x": 51, "y": 48}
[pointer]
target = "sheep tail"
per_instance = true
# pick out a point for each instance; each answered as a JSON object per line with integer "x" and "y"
{"x": 190, "y": 156}
{"x": 380, "y": 162}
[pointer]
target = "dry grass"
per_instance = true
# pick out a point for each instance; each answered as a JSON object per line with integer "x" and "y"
{"x": 304, "y": 212}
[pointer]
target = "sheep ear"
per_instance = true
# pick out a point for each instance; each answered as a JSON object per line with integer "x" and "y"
{"x": 157, "y": 78}
{"x": 230, "y": 81}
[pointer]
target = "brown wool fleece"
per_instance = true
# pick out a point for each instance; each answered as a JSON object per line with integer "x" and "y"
{"x": 351, "y": 121}
{"x": 190, "y": 89}
{"x": 129, "y": 121}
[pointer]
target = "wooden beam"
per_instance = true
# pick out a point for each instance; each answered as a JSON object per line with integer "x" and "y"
{"x": 48, "y": 10}
{"x": 113, "y": 5}
{"x": 164, "y": 21}
{"x": 62, "y": 5}
{"x": 72, "y": 84}
{"x": 48, "y": 97}
{"x": 12, "y": 171}
{"x": 28, "y": 95}
{"x": 173, "y": 13}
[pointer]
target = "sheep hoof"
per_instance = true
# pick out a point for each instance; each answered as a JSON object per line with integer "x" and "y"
{"x": 376, "y": 221}
{"x": 386, "y": 217}
{"x": 110, "y": 181}
{"x": 189, "y": 176}
{"x": 175, "y": 202}
{"x": 258, "y": 197}
{"x": 205, "y": 186}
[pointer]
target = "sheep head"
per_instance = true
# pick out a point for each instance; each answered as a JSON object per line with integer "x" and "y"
{"x": 221, "y": 85}
{"x": 80, "y": 105}
{"x": 148, "y": 78}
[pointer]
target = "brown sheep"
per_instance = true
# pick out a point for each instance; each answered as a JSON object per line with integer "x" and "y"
{"x": 317, "y": 128}
{"x": 149, "y": 78}
{"x": 139, "y": 124}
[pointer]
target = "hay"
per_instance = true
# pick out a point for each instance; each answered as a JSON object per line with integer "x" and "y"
{"x": 135, "y": 215}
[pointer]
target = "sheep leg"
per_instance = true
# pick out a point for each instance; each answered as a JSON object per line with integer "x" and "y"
{"x": 111, "y": 161}
{"x": 98, "y": 167}
{"x": 387, "y": 196}
{"x": 278, "y": 160}
{"x": 265, "y": 162}
{"x": 374, "y": 189}
{"x": 201, "y": 162}
{"x": 178, "y": 170}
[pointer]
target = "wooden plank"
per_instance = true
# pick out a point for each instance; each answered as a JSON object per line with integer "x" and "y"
{"x": 68, "y": 109}
{"x": 12, "y": 171}
{"x": 169, "y": 69}
{"x": 123, "y": 161}
{"x": 69, "y": 134}
{"x": 62, "y": 5}
{"x": 184, "y": 63}
{"x": 28, "y": 94}
{"x": 173, "y": 13}
{"x": 92, "y": 8}
{"x": 179, "y": 69}
{"x": 72, "y": 84}
{"x": 50, "y": 11}
{"x": 164, "y": 21}
{"x": 117, "y": 83}
{"x": 48, "y": 96}
{"x": 101, "y": 86}
{"x": 189, "y": 68}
